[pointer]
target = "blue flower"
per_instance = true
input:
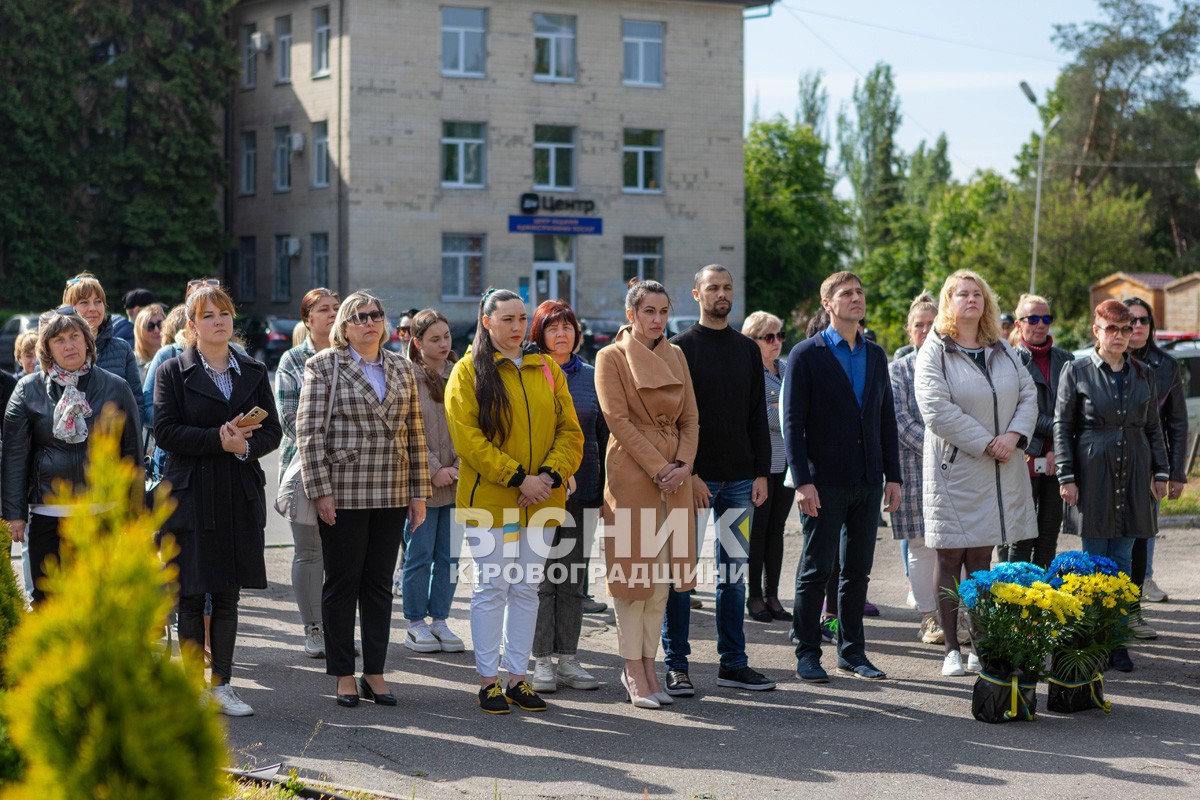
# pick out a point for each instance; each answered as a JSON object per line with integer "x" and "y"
{"x": 1105, "y": 566}
{"x": 968, "y": 593}
{"x": 1073, "y": 562}
{"x": 1021, "y": 573}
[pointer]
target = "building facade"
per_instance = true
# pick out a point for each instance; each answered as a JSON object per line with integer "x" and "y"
{"x": 424, "y": 151}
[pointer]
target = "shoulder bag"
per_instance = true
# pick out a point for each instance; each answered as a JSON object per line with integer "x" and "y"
{"x": 291, "y": 502}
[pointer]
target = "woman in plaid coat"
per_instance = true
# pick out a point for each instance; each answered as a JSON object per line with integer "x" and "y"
{"x": 368, "y": 473}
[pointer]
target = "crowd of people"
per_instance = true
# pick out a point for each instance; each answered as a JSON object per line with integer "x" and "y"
{"x": 979, "y": 443}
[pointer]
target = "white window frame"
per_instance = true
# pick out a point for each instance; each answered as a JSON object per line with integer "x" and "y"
{"x": 460, "y": 33}
{"x": 283, "y": 44}
{"x": 249, "y": 57}
{"x": 553, "y": 268}
{"x": 281, "y": 281}
{"x": 641, "y": 42}
{"x": 320, "y": 155}
{"x": 642, "y": 259}
{"x": 247, "y": 269}
{"x": 249, "y": 181}
{"x": 460, "y": 144}
{"x": 281, "y": 179}
{"x": 639, "y": 151}
{"x": 319, "y": 260}
{"x": 555, "y": 41}
{"x": 552, "y": 150}
{"x": 465, "y": 292}
{"x": 320, "y": 43}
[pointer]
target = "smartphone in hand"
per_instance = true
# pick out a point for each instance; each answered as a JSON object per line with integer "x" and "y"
{"x": 253, "y": 417}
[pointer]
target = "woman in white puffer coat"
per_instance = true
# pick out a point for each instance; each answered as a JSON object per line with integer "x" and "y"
{"x": 979, "y": 405}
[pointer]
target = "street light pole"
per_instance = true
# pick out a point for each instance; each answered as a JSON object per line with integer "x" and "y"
{"x": 1037, "y": 202}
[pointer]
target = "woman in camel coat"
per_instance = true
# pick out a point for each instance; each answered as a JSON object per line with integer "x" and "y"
{"x": 646, "y": 395}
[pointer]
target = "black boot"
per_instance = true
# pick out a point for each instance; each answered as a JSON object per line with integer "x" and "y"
{"x": 1120, "y": 661}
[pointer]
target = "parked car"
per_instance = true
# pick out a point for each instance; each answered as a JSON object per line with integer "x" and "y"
{"x": 677, "y": 325}
{"x": 268, "y": 338}
{"x": 14, "y": 327}
{"x": 598, "y": 332}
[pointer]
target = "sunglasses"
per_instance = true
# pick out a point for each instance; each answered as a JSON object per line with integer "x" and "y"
{"x": 404, "y": 328}
{"x": 1113, "y": 330}
{"x": 153, "y": 326}
{"x": 1139, "y": 320}
{"x": 770, "y": 337}
{"x": 205, "y": 281}
{"x": 66, "y": 311}
{"x": 1034, "y": 319}
{"x": 363, "y": 319}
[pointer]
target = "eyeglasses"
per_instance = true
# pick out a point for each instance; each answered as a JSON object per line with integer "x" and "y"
{"x": 1139, "y": 320}
{"x": 1113, "y": 330}
{"x": 204, "y": 281}
{"x": 770, "y": 337}
{"x": 363, "y": 319}
{"x": 1034, "y": 319}
{"x": 153, "y": 326}
{"x": 404, "y": 328}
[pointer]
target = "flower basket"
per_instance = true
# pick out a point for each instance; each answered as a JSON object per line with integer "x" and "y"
{"x": 1002, "y": 694}
{"x": 1069, "y": 697}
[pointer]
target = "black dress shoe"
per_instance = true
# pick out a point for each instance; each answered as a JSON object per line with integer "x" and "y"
{"x": 778, "y": 612}
{"x": 347, "y": 700}
{"x": 679, "y": 684}
{"x": 365, "y": 690}
{"x": 758, "y": 610}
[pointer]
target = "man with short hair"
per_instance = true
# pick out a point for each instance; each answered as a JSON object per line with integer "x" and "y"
{"x": 842, "y": 444}
{"x": 733, "y": 461}
{"x": 135, "y": 300}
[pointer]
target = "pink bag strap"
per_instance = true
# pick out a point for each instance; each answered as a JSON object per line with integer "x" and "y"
{"x": 546, "y": 372}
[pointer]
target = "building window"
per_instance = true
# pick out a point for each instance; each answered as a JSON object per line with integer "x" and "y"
{"x": 643, "y": 160}
{"x": 553, "y": 157}
{"x": 320, "y": 45}
{"x": 463, "y": 154}
{"x": 643, "y": 258}
{"x": 320, "y": 154}
{"x": 282, "y": 289}
{"x": 462, "y": 266}
{"x": 464, "y": 42}
{"x": 249, "y": 183}
{"x": 643, "y": 53}
{"x": 553, "y": 268}
{"x": 554, "y": 47}
{"x": 247, "y": 270}
{"x": 249, "y": 56}
{"x": 320, "y": 260}
{"x": 283, "y": 159}
{"x": 283, "y": 40}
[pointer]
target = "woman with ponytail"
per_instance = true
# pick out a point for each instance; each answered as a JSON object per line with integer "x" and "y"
{"x": 514, "y": 428}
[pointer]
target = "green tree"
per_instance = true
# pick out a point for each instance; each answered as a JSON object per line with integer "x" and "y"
{"x": 869, "y": 156}
{"x": 795, "y": 226}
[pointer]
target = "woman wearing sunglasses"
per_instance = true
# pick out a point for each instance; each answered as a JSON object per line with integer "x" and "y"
{"x": 361, "y": 443}
{"x": 147, "y": 336}
{"x": 1112, "y": 462}
{"x": 766, "y": 531}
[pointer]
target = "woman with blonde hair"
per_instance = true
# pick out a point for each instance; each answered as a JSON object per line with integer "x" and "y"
{"x": 113, "y": 353}
{"x": 147, "y": 335}
{"x": 980, "y": 407}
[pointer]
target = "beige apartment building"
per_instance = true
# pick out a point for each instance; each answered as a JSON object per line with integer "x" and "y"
{"x": 426, "y": 150}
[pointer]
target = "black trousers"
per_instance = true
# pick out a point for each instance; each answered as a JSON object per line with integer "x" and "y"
{"x": 222, "y": 630}
{"x": 766, "y": 538}
{"x": 1049, "y": 507}
{"x": 360, "y": 553}
{"x": 42, "y": 534}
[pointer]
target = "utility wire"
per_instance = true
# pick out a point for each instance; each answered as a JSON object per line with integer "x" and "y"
{"x": 920, "y": 35}
{"x": 1127, "y": 164}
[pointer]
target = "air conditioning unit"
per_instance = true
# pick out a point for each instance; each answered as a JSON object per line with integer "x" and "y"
{"x": 296, "y": 142}
{"x": 291, "y": 246}
{"x": 260, "y": 42}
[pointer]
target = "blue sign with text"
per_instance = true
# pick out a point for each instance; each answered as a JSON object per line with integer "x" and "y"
{"x": 574, "y": 226}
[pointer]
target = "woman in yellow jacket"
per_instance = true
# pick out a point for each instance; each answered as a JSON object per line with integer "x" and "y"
{"x": 518, "y": 440}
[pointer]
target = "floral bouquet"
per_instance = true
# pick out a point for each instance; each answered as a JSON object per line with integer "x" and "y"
{"x": 1016, "y": 618}
{"x": 1081, "y": 652}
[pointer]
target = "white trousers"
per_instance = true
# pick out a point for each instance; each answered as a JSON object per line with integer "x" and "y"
{"x": 921, "y": 563}
{"x": 504, "y": 601}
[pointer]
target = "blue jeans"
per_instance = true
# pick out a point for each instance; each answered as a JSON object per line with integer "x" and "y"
{"x": 846, "y": 525}
{"x": 733, "y": 548}
{"x": 427, "y": 587}
{"x": 1119, "y": 550}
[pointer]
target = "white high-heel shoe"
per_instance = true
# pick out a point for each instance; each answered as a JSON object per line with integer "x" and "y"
{"x": 663, "y": 698}
{"x": 638, "y": 702}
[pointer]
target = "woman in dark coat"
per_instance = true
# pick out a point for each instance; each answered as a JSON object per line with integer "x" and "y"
{"x": 212, "y": 466}
{"x": 1112, "y": 463}
{"x": 46, "y": 428}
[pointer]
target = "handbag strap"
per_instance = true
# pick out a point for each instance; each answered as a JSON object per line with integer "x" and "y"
{"x": 332, "y": 392}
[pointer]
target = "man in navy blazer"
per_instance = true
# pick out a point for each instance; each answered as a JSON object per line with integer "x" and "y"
{"x": 840, "y": 432}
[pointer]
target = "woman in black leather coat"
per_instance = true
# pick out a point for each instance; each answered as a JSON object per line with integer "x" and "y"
{"x": 46, "y": 427}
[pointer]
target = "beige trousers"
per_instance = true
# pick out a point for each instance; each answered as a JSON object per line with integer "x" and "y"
{"x": 639, "y": 622}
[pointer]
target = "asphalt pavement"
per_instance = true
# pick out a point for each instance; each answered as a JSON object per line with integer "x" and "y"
{"x": 910, "y": 736}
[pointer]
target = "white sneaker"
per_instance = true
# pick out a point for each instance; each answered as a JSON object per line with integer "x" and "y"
{"x": 450, "y": 641}
{"x": 544, "y": 677}
{"x": 571, "y": 673}
{"x": 1140, "y": 630}
{"x": 229, "y": 703}
{"x": 931, "y": 631}
{"x": 397, "y": 585}
{"x": 973, "y": 663}
{"x": 314, "y": 642}
{"x": 1152, "y": 594}
{"x": 952, "y": 667}
{"x": 911, "y": 601}
{"x": 420, "y": 639}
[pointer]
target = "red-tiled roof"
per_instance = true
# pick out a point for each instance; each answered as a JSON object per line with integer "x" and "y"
{"x": 1151, "y": 280}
